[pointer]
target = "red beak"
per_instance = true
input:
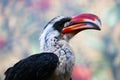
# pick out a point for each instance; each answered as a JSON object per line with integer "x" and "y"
{"x": 82, "y": 22}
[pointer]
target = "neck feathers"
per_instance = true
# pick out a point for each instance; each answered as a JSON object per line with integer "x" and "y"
{"x": 49, "y": 39}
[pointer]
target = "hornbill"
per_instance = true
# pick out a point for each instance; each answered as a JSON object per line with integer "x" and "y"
{"x": 56, "y": 59}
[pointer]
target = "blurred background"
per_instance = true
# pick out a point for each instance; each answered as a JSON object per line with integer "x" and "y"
{"x": 97, "y": 52}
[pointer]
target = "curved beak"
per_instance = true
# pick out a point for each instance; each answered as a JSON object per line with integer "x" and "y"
{"x": 82, "y": 22}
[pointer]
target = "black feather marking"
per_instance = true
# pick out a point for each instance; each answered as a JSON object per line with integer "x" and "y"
{"x": 36, "y": 67}
{"x": 59, "y": 25}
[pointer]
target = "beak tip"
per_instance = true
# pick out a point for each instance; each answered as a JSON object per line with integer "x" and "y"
{"x": 99, "y": 28}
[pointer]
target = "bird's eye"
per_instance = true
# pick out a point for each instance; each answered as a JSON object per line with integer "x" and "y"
{"x": 66, "y": 24}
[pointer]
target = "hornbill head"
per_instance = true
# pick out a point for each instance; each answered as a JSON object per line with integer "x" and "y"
{"x": 69, "y": 26}
{"x": 64, "y": 28}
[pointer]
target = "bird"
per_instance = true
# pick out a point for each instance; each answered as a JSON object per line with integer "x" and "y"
{"x": 56, "y": 58}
